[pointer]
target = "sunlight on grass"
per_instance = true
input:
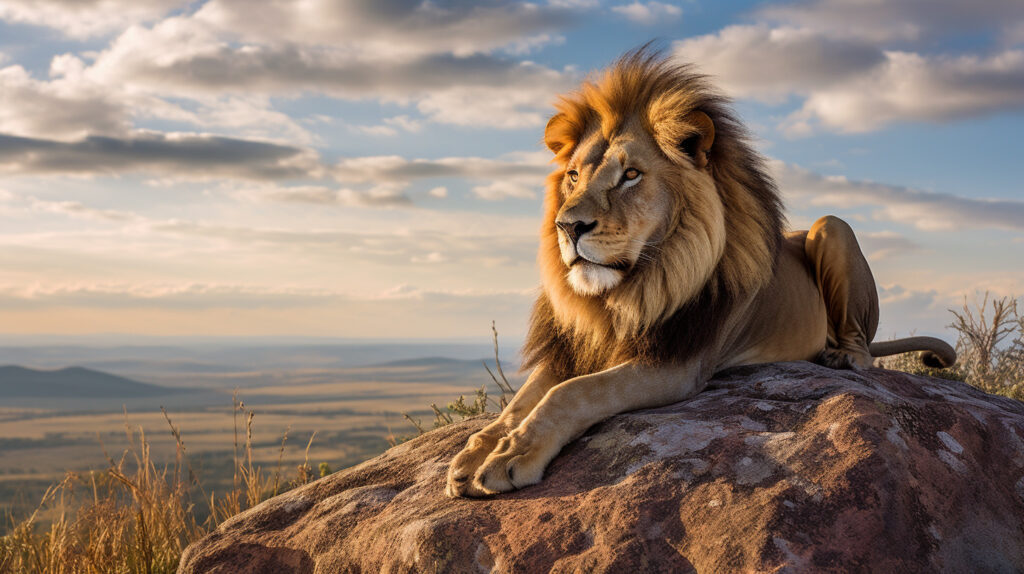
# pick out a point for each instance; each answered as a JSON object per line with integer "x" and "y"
{"x": 136, "y": 517}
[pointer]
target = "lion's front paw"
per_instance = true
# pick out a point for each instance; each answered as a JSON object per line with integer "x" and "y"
{"x": 465, "y": 464}
{"x": 517, "y": 461}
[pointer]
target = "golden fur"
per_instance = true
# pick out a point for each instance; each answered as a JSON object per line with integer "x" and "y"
{"x": 663, "y": 261}
{"x": 726, "y": 254}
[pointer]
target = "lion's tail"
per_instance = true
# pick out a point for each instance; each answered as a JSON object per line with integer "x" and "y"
{"x": 935, "y": 353}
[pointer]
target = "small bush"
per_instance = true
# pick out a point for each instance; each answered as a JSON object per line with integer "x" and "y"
{"x": 987, "y": 357}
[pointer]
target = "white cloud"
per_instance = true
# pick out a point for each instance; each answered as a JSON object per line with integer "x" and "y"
{"x": 911, "y": 87}
{"x": 880, "y": 245}
{"x": 648, "y": 13}
{"x": 378, "y": 130}
{"x": 769, "y": 64}
{"x": 439, "y": 192}
{"x": 392, "y": 29}
{"x": 405, "y": 123}
{"x": 905, "y": 311}
{"x": 432, "y": 257}
{"x": 515, "y": 106}
{"x": 923, "y": 210}
{"x": 85, "y": 18}
{"x": 378, "y": 196}
{"x": 63, "y": 109}
{"x": 897, "y": 20}
{"x": 399, "y": 169}
{"x": 851, "y": 85}
{"x": 513, "y": 176}
{"x": 391, "y": 127}
{"x": 187, "y": 58}
{"x": 499, "y": 190}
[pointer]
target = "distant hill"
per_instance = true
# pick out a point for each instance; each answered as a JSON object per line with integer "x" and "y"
{"x": 426, "y": 362}
{"x": 72, "y": 382}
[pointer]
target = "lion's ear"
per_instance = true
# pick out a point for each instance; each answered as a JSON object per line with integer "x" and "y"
{"x": 686, "y": 137}
{"x": 559, "y": 133}
{"x": 698, "y": 144}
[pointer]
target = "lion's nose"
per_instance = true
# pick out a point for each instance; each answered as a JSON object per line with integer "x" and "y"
{"x": 575, "y": 229}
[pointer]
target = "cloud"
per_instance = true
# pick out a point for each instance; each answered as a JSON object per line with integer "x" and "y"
{"x": 915, "y": 311}
{"x": 896, "y": 20}
{"x": 522, "y": 169}
{"x": 513, "y": 176}
{"x": 405, "y": 123}
{"x": 397, "y": 247}
{"x": 225, "y": 308}
{"x": 769, "y": 64}
{"x": 391, "y": 127}
{"x": 880, "y": 245}
{"x": 178, "y": 296}
{"x": 499, "y": 190}
{"x": 74, "y": 104}
{"x": 245, "y": 116}
{"x": 193, "y": 57}
{"x": 911, "y": 87}
{"x": 78, "y": 210}
{"x": 648, "y": 13}
{"x": 82, "y": 19}
{"x": 184, "y": 156}
{"x": 923, "y": 210}
{"x": 855, "y": 82}
{"x": 225, "y": 295}
{"x": 397, "y": 28}
{"x": 61, "y": 109}
{"x": 378, "y": 196}
{"x": 451, "y": 62}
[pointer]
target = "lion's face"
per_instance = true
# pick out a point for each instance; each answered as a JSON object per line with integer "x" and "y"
{"x": 621, "y": 198}
{"x": 614, "y": 207}
{"x": 657, "y": 211}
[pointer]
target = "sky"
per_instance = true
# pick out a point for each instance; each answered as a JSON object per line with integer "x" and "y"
{"x": 374, "y": 168}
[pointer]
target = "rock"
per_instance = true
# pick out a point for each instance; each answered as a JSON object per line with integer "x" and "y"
{"x": 787, "y": 467}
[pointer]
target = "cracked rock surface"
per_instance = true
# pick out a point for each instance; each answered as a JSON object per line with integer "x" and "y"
{"x": 787, "y": 467}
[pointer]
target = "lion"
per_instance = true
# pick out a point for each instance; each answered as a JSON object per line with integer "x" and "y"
{"x": 663, "y": 261}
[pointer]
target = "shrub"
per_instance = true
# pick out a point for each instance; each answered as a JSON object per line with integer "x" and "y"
{"x": 987, "y": 357}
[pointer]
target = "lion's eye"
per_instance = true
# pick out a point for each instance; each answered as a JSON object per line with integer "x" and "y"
{"x": 631, "y": 177}
{"x": 574, "y": 175}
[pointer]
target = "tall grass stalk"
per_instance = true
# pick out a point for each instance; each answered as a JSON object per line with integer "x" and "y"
{"x": 135, "y": 516}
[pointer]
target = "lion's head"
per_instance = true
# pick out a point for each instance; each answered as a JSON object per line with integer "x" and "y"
{"x": 657, "y": 202}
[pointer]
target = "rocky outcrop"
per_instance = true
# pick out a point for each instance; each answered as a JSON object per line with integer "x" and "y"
{"x": 784, "y": 467}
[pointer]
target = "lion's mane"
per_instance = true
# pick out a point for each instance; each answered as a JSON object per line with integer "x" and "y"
{"x": 662, "y": 311}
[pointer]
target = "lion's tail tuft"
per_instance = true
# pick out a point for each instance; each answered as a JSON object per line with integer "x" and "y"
{"x": 935, "y": 353}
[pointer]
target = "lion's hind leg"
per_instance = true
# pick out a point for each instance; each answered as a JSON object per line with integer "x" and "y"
{"x": 846, "y": 283}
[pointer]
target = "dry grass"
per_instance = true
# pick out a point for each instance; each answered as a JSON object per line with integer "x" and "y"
{"x": 134, "y": 517}
{"x": 460, "y": 407}
{"x": 990, "y": 348}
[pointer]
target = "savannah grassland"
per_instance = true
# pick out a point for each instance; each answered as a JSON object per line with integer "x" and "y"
{"x": 87, "y": 492}
{"x": 351, "y": 418}
{"x": 68, "y": 467}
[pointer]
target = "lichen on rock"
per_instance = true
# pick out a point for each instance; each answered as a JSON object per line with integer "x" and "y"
{"x": 780, "y": 467}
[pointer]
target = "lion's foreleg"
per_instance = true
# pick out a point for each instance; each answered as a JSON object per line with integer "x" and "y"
{"x": 569, "y": 409}
{"x": 481, "y": 443}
